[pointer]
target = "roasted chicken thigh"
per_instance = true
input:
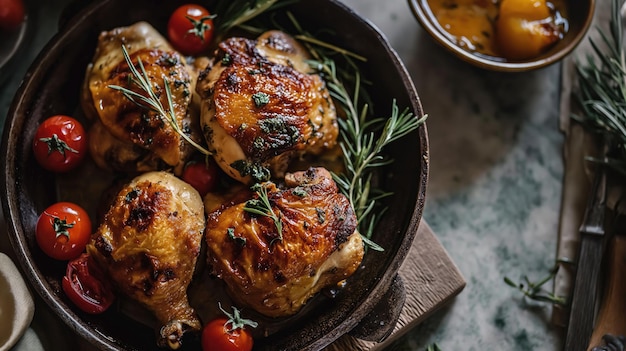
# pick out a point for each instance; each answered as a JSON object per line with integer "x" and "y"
{"x": 148, "y": 244}
{"x": 126, "y": 136}
{"x": 262, "y": 106}
{"x": 275, "y": 265}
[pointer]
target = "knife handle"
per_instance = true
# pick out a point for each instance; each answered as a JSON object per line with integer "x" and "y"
{"x": 583, "y": 304}
{"x": 612, "y": 315}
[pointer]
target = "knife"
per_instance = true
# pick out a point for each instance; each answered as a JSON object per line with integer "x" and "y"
{"x": 611, "y": 317}
{"x": 583, "y": 303}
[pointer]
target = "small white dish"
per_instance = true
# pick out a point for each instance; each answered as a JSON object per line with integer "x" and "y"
{"x": 16, "y": 304}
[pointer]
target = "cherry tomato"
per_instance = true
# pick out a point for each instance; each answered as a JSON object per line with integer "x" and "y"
{"x": 63, "y": 230}
{"x": 60, "y": 143}
{"x": 85, "y": 285}
{"x": 223, "y": 334}
{"x": 11, "y": 14}
{"x": 190, "y": 29}
{"x": 202, "y": 176}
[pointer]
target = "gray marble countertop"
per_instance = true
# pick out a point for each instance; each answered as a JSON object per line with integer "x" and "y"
{"x": 495, "y": 182}
{"x": 494, "y": 192}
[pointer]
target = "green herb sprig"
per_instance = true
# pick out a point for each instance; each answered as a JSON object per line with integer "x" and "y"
{"x": 236, "y": 13}
{"x": 433, "y": 347}
{"x": 150, "y": 101}
{"x": 363, "y": 138}
{"x": 602, "y": 91}
{"x": 363, "y": 141}
{"x": 535, "y": 290}
{"x": 263, "y": 207}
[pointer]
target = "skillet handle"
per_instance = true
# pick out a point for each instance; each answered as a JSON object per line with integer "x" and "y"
{"x": 381, "y": 321}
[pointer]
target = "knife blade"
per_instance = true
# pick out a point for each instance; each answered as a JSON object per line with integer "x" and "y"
{"x": 583, "y": 303}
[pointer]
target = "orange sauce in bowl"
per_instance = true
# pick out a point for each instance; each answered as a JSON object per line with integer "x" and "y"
{"x": 504, "y": 30}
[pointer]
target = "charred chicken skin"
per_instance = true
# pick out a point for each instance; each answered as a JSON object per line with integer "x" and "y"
{"x": 277, "y": 270}
{"x": 261, "y": 107}
{"x": 148, "y": 243}
{"x": 128, "y": 137}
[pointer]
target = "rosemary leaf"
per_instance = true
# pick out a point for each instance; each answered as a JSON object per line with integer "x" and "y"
{"x": 263, "y": 207}
{"x": 235, "y": 13}
{"x": 363, "y": 138}
{"x": 602, "y": 90}
{"x": 151, "y": 101}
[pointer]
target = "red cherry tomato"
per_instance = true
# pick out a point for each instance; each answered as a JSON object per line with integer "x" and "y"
{"x": 60, "y": 143}
{"x": 12, "y": 14}
{"x": 202, "y": 176}
{"x": 218, "y": 336}
{"x": 85, "y": 285}
{"x": 63, "y": 230}
{"x": 190, "y": 29}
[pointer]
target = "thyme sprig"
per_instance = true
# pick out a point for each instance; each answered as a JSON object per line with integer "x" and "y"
{"x": 263, "y": 207}
{"x": 363, "y": 138}
{"x": 602, "y": 90}
{"x": 150, "y": 101}
{"x": 535, "y": 291}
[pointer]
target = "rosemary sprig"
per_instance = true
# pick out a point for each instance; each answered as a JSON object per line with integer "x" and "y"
{"x": 262, "y": 207}
{"x": 535, "y": 291}
{"x": 363, "y": 138}
{"x": 363, "y": 141}
{"x": 602, "y": 90}
{"x": 231, "y": 14}
{"x": 433, "y": 347}
{"x": 150, "y": 100}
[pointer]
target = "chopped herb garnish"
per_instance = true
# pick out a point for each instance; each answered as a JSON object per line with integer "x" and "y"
{"x": 260, "y": 99}
{"x": 256, "y": 171}
{"x": 321, "y": 215}
{"x": 131, "y": 195}
{"x": 226, "y": 60}
{"x": 298, "y": 191}
{"x": 231, "y": 234}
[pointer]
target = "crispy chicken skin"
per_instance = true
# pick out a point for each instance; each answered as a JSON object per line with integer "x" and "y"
{"x": 136, "y": 131}
{"x": 261, "y": 106}
{"x": 320, "y": 245}
{"x": 148, "y": 243}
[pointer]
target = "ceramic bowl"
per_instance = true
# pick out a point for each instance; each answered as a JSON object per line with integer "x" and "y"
{"x": 52, "y": 86}
{"x": 579, "y": 16}
{"x": 16, "y": 304}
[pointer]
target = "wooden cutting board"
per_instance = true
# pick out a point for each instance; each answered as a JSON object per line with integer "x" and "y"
{"x": 431, "y": 279}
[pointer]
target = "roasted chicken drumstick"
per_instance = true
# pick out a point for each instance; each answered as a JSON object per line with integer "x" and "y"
{"x": 148, "y": 244}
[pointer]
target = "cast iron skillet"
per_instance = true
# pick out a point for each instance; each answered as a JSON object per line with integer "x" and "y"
{"x": 52, "y": 86}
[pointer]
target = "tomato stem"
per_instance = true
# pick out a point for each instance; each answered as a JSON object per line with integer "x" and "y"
{"x": 235, "y": 320}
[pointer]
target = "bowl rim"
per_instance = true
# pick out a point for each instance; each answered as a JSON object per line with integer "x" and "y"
{"x": 16, "y": 228}
{"x": 424, "y": 17}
